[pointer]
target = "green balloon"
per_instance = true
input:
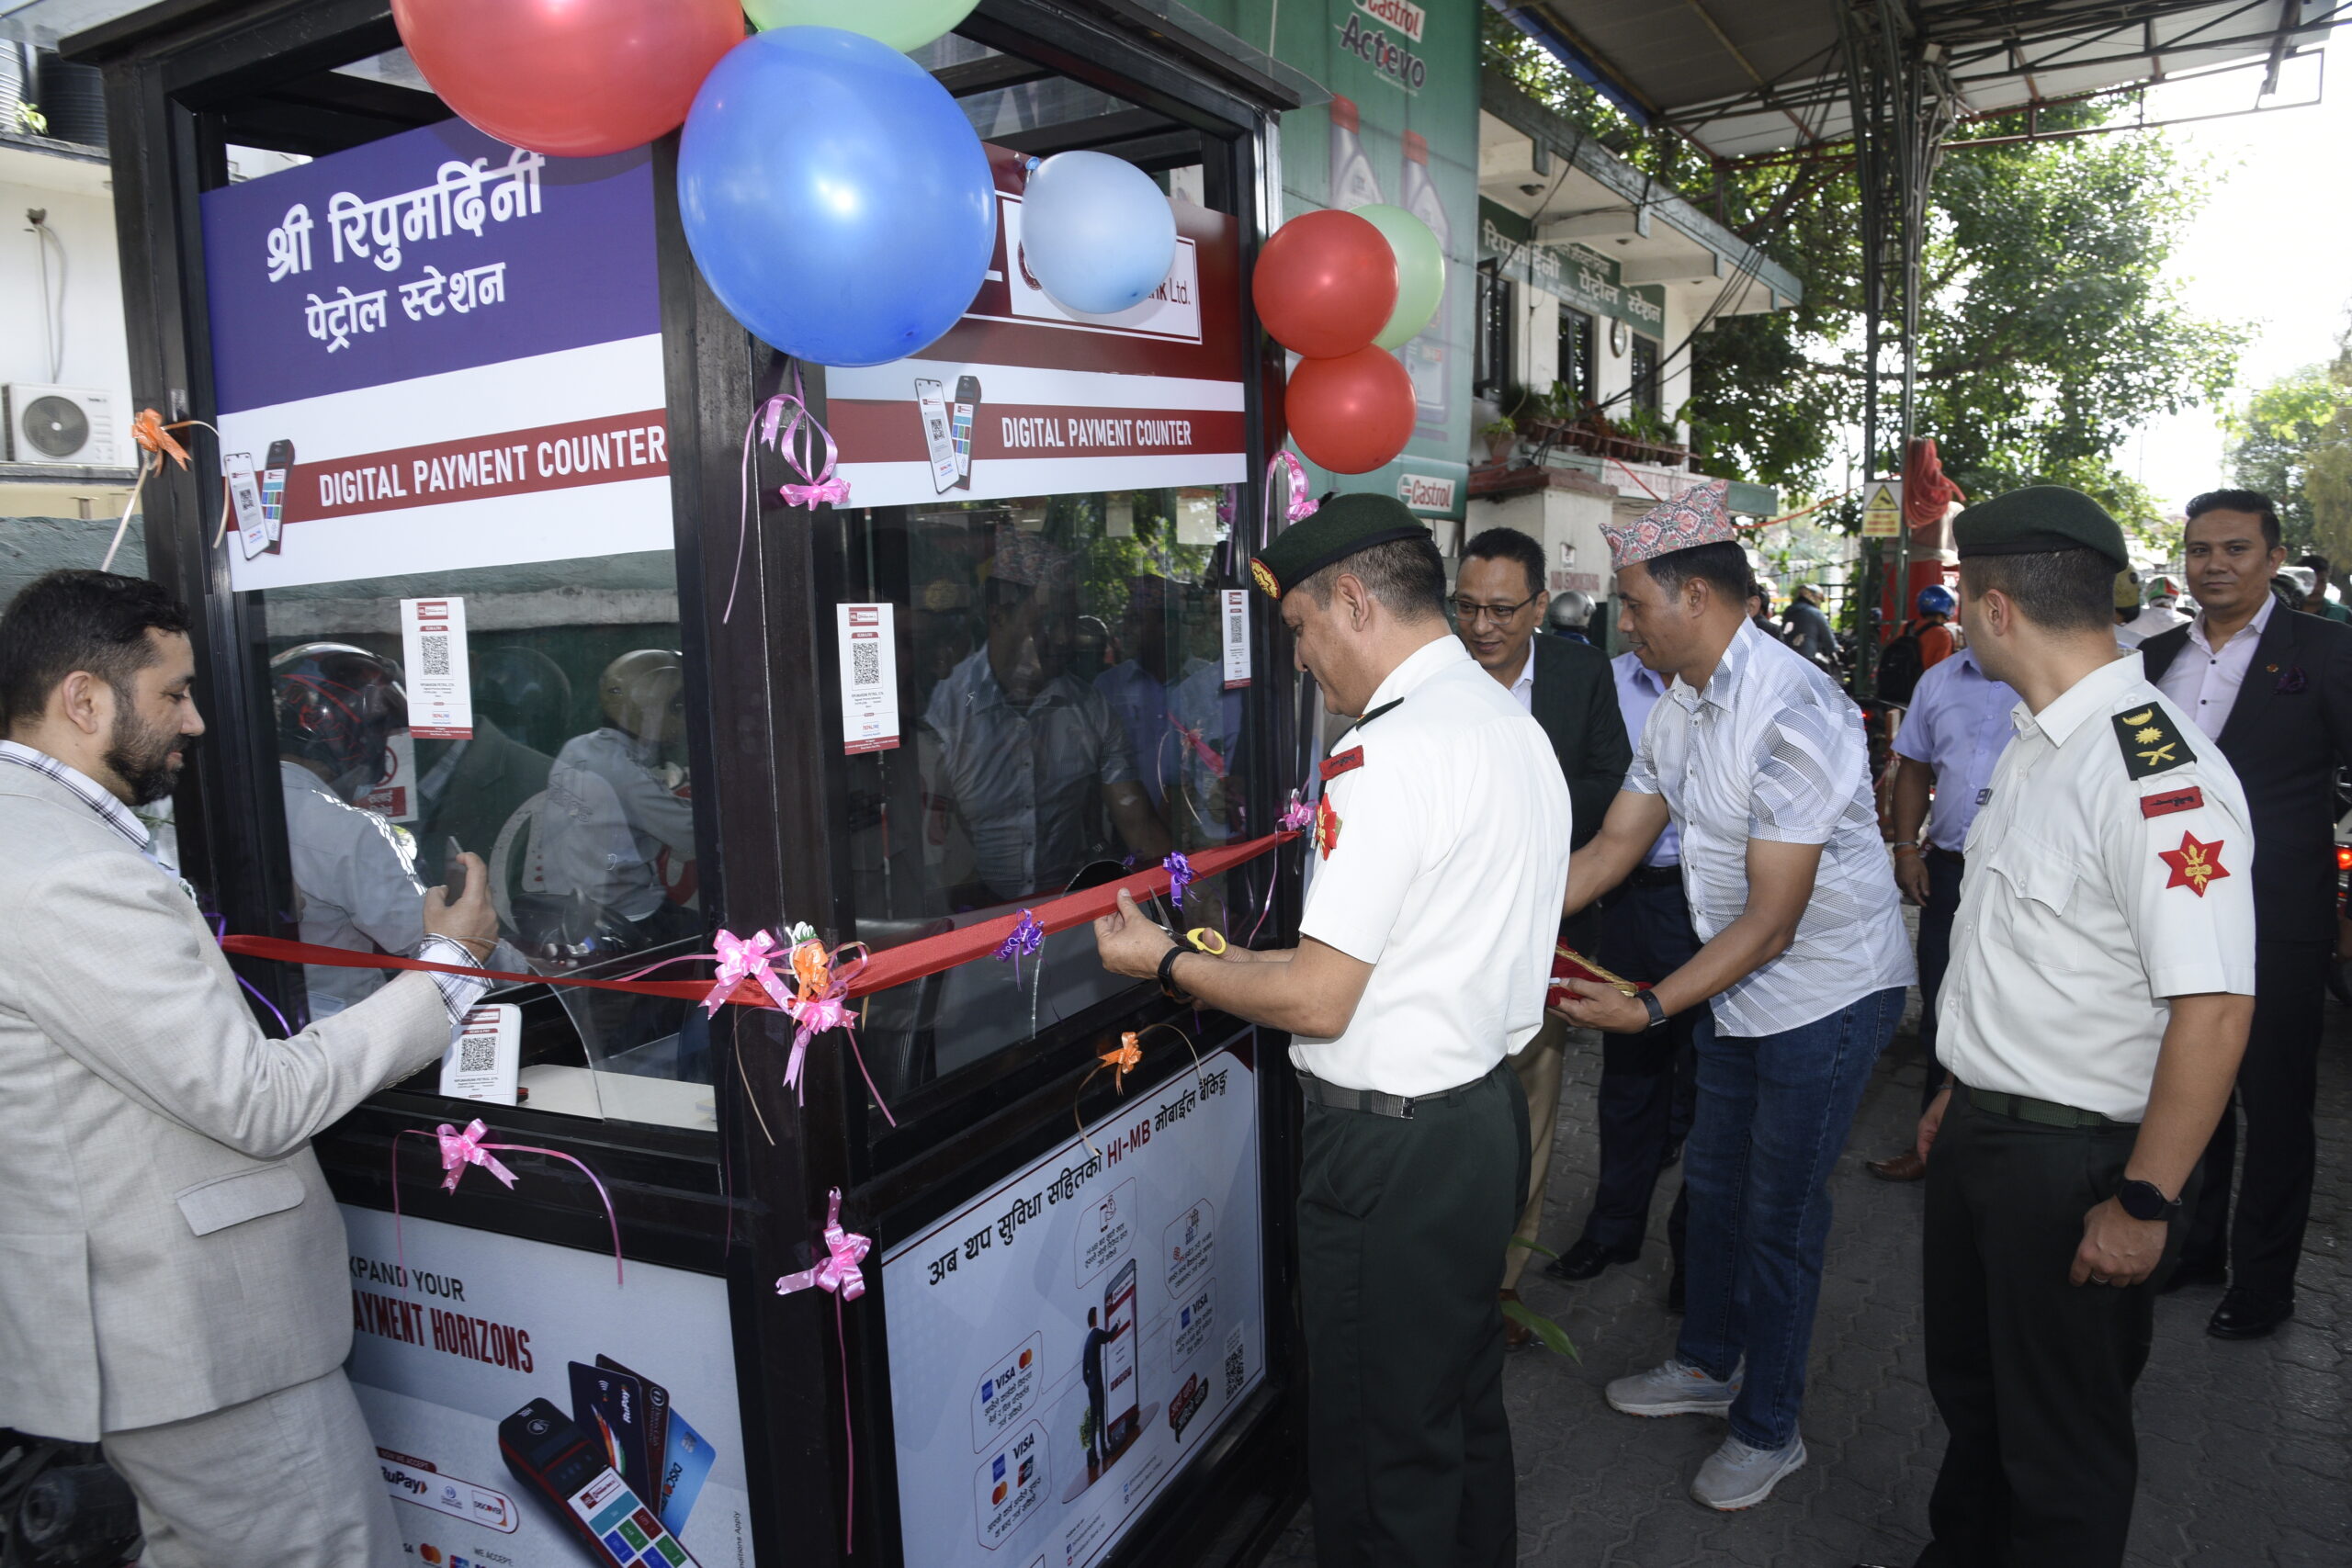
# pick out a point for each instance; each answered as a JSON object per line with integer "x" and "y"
{"x": 1420, "y": 271}
{"x": 904, "y": 25}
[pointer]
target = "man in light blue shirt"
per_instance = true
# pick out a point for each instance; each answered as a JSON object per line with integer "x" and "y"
{"x": 1956, "y": 730}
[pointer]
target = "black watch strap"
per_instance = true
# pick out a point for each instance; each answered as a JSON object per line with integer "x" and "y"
{"x": 2146, "y": 1200}
{"x": 1655, "y": 1008}
{"x": 1168, "y": 986}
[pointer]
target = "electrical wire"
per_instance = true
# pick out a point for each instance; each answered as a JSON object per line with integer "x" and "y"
{"x": 52, "y": 325}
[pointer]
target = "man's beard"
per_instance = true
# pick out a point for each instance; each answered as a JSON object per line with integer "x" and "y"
{"x": 142, "y": 756}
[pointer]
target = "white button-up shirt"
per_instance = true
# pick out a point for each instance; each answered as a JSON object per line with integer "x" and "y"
{"x": 2091, "y": 898}
{"x": 1638, "y": 690}
{"x": 2204, "y": 680}
{"x": 1445, "y": 873}
{"x": 1959, "y": 725}
{"x": 1523, "y": 689}
{"x": 1771, "y": 749}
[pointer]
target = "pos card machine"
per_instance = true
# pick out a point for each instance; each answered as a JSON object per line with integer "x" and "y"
{"x": 568, "y": 1472}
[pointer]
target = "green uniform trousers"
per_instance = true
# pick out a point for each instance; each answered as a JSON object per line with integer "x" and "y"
{"x": 1402, "y": 1224}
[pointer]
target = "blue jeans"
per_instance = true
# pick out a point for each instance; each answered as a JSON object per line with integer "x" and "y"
{"x": 1772, "y": 1118}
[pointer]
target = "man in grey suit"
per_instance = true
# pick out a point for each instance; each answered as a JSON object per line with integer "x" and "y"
{"x": 175, "y": 1283}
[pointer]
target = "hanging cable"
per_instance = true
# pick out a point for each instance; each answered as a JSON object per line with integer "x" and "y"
{"x": 53, "y": 321}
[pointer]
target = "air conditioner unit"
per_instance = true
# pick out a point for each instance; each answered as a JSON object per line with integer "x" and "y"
{"x": 59, "y": 424}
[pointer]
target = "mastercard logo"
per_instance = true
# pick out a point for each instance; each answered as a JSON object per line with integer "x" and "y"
{"x": 1026, "y": 1357}
{"x": 998, "y": 1496}
{"x": 429, "y": 1551}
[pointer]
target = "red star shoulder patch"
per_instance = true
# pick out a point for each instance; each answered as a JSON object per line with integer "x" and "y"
{"x": 1327, "y": 827}
{"x": 2194, "y": 864}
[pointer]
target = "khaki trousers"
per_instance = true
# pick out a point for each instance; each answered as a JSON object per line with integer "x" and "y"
{"x": 289, "y": 1480}
{"x": 1538, "y": 1064}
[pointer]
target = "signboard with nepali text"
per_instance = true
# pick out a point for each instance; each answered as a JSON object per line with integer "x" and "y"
{"x": 436, "y": 351}
{"x": 1023, "y": 398}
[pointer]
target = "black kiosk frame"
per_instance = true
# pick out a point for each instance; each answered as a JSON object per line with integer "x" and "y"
{"x": 189, "y": 79}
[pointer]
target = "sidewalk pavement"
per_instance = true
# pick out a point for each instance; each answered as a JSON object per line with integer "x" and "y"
{"x": 2245, "y": 1448}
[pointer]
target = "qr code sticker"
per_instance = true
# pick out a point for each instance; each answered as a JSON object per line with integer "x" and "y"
{"x": 1235, "y": 1367}
{"x": 477, "y": 1055}
{"x": 435, "y": 654}
{"x": 866, "y": 662}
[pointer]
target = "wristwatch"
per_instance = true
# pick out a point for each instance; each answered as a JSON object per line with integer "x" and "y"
{"x": 2146, "y": 1200}
{"x": 1168, "y": 986}
{"x": 1656, "y": 1010}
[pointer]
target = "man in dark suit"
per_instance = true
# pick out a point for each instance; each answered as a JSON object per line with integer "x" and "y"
{"x": 1498, "y": 602}
{"x": 2273, "y": 690}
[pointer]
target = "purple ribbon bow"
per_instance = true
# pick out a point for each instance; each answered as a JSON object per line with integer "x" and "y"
{"x": 741, "y": 959}
{"x": 473, "y": 1146}
{"x": 1026, "y": 938}
{"x": 1179, "y": 877}
{"x": 839, "y": 1275}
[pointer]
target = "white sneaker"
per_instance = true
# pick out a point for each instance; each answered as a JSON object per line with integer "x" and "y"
{"x": 1677, "y": 1388}
{"x": 1736, "y": 1477}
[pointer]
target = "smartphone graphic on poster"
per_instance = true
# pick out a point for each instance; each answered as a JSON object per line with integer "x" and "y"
{"x": 931, "y": 398}
{"x": 1121, "y": 1396}
{"x": 274, "y": 464}
{"x": 967, "y": 412}
{"x": 565, "y": 1470}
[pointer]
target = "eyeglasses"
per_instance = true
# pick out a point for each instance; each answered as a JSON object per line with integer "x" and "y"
{"x": 1469, "y": 611}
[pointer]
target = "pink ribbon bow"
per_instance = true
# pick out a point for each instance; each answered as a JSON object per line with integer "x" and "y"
{"x": 840, "y": 1275}
{"x": 822, "y": 1004}
{"x": 1297, "y": 817}
{"x": 741, "y": 960}
{"x": 796, "y": 443}
{"x": 473, "y": 1146}
{"x": 1298, "y": 504}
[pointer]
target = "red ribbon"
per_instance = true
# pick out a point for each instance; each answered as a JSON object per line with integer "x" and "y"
{"x": 893, "y": 967}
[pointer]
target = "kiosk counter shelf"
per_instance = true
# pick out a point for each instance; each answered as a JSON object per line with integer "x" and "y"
{"x": 473, "y": 593}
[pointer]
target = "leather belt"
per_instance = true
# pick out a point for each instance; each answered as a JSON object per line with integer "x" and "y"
{"x": 2043, "y": 1112}
{"x": 1656, "y": 876}
{"x": 1331, "y": 1096}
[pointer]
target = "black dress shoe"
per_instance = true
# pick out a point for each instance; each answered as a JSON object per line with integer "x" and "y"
{"x": 2244, "y": 1315}
{"x": 1586, "y": 1259}
{"x": 2186, "y": 1273}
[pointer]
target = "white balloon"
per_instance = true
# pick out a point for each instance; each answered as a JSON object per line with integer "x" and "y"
{"x": 1096, "y": 233}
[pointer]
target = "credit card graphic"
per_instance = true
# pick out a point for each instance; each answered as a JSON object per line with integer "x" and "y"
{"x": 684, "y": 1465}
{"x": 657, "y": 1420}
{"x": 610, "y": 1407}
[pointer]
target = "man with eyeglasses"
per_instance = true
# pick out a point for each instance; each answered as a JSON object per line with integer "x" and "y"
{"x": 1498, "y": 602}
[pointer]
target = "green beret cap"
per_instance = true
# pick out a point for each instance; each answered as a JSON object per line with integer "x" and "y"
{"x": 2036, "y": 520}
{"x": 1340, "y": 527}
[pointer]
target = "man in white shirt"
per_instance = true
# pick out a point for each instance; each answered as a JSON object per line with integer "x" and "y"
{"x": 1424, "y": 952}
{"x": 1956, "y": 730}
{"x": 2101, "y": 981}
{"x": 1757, "y": 761}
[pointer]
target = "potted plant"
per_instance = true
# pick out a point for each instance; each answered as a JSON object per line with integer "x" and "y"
{"x": 1498, "y": 435}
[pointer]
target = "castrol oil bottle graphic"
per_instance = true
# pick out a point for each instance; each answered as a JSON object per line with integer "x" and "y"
{"x": 1352, "y": 183}
{"x": 1425, "y": 357}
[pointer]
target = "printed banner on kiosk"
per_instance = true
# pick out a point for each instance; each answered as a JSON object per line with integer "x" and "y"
{"x": 1023, "y": 398}
{"x": 436, "y": 352}
{"x": 1064, "y": 1344}
{"x": 527, "y": 1413}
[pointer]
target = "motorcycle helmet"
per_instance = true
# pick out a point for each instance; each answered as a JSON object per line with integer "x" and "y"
{"x": 337, "y": 709}
{"x": 1934, "y": 599}
{"x": 643, "y": 695}
{"x": 1570, "y": 610}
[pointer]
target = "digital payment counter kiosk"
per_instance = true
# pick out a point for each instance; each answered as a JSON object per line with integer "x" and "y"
{"x": 466, "y": 531}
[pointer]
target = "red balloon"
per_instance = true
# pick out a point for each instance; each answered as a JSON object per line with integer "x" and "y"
{"x": 568, "y": 78}
{"x": 1325, "y": 284}
{"x": 1352, "y": 414}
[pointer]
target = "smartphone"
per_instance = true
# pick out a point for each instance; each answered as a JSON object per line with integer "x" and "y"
{"x": 968, "y": 403}
{"x": 1120, "y": 1396}
{"x": 565, "y": 1470}
{"x": 274, "y": 464}
{"x": 453, "y": 873}
{"x": 931, "y": 398}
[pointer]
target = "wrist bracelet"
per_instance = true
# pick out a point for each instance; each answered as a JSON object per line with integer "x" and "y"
{"x": 1902, "y": 850}
{"x": 1168, "y": 986}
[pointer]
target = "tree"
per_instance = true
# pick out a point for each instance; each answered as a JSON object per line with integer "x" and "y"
{"x": 2282, "y": 444}
{"x": 2047, "y": 331}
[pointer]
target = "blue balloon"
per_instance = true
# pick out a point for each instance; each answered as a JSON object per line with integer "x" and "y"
{"x": 1096, "y": 232}
{"x": 834, "y": 195}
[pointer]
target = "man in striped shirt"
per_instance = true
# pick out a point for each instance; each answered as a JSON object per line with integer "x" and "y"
{"x": 1757, "y": 761}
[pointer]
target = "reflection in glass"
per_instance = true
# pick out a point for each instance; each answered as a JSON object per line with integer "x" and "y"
{"x": 1061, "y": 658}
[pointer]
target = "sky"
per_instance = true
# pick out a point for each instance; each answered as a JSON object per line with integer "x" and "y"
{"x": 2273, "y": 247}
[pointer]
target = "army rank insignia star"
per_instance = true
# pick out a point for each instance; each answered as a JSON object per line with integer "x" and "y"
{"x": 2194, "y": 864}
{"x": 2149, "y": 745}
{"x": 1327, "y": 827}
